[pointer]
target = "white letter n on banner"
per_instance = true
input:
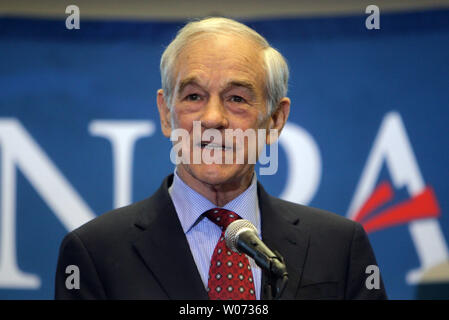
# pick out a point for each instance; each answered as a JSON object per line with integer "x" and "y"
{"x": 18, "y": 149}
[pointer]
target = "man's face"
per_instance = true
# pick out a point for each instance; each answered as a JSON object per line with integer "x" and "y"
{"x": 220, "y": 81}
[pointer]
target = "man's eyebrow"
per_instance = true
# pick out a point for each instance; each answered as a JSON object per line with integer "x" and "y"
{"x": 234, "y": 83}
{"x": 185, "y": 82}
{"x": 242, "y": 83}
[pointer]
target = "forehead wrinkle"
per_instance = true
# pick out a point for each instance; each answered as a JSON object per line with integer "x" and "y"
{"x": 243, "y": 60}
{"x": 236, "y": 70}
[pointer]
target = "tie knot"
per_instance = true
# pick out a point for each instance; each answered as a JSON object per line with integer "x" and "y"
{"x": 221, "y": 217}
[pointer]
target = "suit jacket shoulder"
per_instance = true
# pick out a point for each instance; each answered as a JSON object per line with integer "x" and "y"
{"x": 132, "y": 252}
{"x": 315, "y": 219}
{"x": 330, "y": 253}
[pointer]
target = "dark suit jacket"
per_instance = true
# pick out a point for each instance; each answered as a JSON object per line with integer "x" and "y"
{"x": 140, "y": 252}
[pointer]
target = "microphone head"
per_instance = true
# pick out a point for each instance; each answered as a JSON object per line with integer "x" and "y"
{"x": 234, "y": 230}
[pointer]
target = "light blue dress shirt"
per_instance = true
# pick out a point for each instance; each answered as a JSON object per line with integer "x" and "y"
{"x": 201, "y": 233}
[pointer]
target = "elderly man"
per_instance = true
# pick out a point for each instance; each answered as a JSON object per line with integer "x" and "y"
{"x": 224, "y": 76}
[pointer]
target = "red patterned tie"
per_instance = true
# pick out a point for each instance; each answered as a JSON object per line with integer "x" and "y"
{"x": 230, "y": 275}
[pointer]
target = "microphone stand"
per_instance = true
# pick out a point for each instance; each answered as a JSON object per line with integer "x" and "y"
{"x": 271, "y": 262}
{"x": 277, "y": 277}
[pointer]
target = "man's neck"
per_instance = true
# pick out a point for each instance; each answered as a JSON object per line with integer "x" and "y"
{"x": 219, "y": 194}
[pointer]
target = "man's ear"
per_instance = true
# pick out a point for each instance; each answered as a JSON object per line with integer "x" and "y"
{"x": 164, "y": 113}
{"x": 278, "y": 119}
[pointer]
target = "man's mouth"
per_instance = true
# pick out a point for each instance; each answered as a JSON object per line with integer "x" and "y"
{"x": 213, "y": 146}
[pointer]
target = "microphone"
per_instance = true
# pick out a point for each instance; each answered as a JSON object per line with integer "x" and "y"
{"x": 241, "y": 236}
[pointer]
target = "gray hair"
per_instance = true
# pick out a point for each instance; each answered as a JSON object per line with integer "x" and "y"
{"x": 275, "y": 65}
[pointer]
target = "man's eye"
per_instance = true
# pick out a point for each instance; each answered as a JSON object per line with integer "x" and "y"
{"x": 237, "y": 99}
{"x": 193, "y": 97}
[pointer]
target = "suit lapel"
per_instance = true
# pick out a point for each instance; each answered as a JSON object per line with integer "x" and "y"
{"x": 281, "y": 231}
{"x": 164, "y": 248}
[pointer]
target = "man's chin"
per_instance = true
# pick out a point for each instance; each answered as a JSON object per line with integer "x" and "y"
{"x": 215, "y": 174}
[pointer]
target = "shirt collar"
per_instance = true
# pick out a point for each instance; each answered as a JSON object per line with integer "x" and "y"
{"x": 190, "y": 205}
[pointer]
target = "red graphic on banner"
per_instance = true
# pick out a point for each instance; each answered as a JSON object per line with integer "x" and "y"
{"x": 421, "y": 206}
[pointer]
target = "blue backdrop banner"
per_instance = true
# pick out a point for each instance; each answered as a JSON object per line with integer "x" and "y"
{"x": 367, "y": 136}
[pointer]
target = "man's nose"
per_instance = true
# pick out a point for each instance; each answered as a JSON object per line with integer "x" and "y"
{"x": 214, "y": 115}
